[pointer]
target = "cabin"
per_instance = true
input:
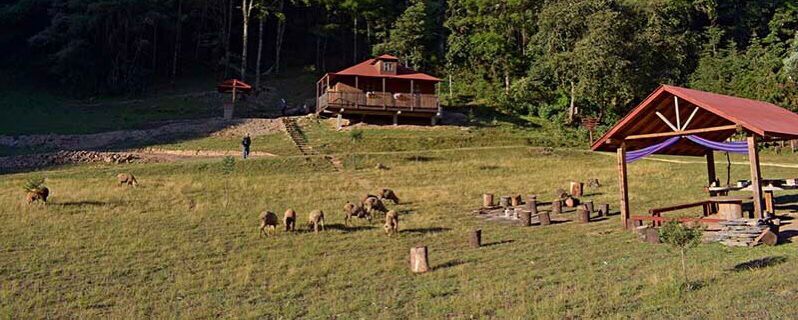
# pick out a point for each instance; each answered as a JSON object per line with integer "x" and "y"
{"x": 379, "y": 86}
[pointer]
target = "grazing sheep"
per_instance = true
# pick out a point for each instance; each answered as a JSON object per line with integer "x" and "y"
{"x": 37, "y": 194}
{"x": 353, "y": 210}
{"x": 127, "y": 178}
{"x": 268, "y": 220}
{"x": 316, "y": 219}
{"x": 289, "y": 219}
{"x": 391, "y": 222}
{"x": 372, "y": 204}
{"x": 388, "y": 194}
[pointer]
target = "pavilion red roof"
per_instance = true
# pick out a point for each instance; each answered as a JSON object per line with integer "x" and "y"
{"x": 368, "y": 69}
{"x": 761, "y": 118}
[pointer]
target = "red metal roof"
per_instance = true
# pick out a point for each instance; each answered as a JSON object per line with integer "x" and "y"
{"x": 761, "y": 118}
{"x": 228, "y": 85}
{"x": 369, "y": 69}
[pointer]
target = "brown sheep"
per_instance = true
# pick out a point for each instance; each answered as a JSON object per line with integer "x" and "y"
{"x": 127, "y": 178}
{"x": 372, "y": 204}
{"x": 268, "y": 220}
{"x": 353, "y": 210}
{"x": 316, "y": 219}
{"x": 289, "y": 219}
{"x": 391, "y": 222}
{"x": 37, "y": 194}
{"x": 388, "y": 194}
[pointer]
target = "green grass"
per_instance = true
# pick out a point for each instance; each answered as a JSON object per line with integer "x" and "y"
{"x": 275, "y": 143}
{"x": 99, "y": 250}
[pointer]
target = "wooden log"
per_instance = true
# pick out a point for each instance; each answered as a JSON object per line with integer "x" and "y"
{"x": 767, "y": 237}
{"x": 515, "y": 200}
{"x": 652, "y": 235}
{"x": 583, "y": 215}
{"x": 604, "y": 210}
{"x": 571, "y": 202}
{"x": 504, "y": 201}
{"x": 769, "y": 207}
{"x": 526, "y": 218}
{"x": 589, "y": 206}
{"x": 532, "y": 204}
{"x": 576, "y": 188}
{"x": 544, "y": 218}
{"x": 556, "y": 206}
{"x": 419, "y": 259}
{"x": 487, "y": 200}
{"x": 475, "y": 238}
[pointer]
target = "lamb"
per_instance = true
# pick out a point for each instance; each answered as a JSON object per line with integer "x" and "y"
{"x": 353, "y": 210}
{"x": 37, "y": 194}
{"x": 127, "y": 178}
{"x": 391, "y": 222}
{"x": 372, "y": 204}
{"x": 268, "y": 220}
{"x": 388, "y": 194}
{"x": 316, "y": 219}
{"x": 289, "y": 219}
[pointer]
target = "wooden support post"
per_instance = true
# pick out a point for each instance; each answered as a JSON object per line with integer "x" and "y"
{"x": 583, "y": 214}
{"x": 556, "y": 206}
{"x": 504, "y": 201}
{"x": 419, "y": 259}
{"x": 487, "y": 200}
{"x": 396, "y": 119}
{"x": 623, "y": 186}
{"x": 525, "y": 218}
{"x": 711, "y": 177}
{"x": 340, "y": 120}
{"x": 544, "y": 218}
{"x": 475, "y": 238}
{"x": 356, "y": 83}
{"x": 756, "y": 176}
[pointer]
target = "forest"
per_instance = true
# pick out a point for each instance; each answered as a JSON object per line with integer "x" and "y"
{"x": 557, "y": 59}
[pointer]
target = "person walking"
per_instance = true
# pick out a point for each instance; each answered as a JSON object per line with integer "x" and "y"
{"x": 245, "y": 143}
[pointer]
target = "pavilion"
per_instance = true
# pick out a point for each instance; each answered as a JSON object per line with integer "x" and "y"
{"x": 687, "y": 122}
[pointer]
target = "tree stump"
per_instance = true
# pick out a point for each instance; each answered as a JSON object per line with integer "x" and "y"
{"x": 651, "y": 235}
{"x": 556, "y": 206}
{"x": 533, "y": 205}
{"x": 515, "y": 200}
{"x": 544, "y": 218}
{"x": 583, "y": 215}
{"x": 526, "y": 218}
{"x": 475, "y": 238}
{"x": 576, "y": 188}
{"x": 530, "y": 199}
{"x": 487, "y": 200}
{"x": 767, "y": 237}
{"x": 419, "y": 259}
{"x": 504, "y": 201}
{"x": 604, "y": 210}
{"x": 571, "y": 202}
{"x": 589, "y": 206}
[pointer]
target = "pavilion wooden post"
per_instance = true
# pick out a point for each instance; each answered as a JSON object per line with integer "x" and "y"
{"x": 711, "y": 177}
{"x": 622, "y": 183}
{"x": 756, "y": 176}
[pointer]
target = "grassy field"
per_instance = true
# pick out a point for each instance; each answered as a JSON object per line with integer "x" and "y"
{"x": 172, "y": 248}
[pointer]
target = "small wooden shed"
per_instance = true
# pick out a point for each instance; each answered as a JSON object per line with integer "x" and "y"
{"x": 687, "y": 122}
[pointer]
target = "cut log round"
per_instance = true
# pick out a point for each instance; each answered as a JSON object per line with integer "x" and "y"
{"x": 419, "y": 259}
{"x": 504, "y": 201}
{"x": 767, "y": 237}
{"x": 571, "y": 202}
{"x": 576, "y": 188}
{"x": 556, "y": 206}
{"x": 487, "y": 200}
{"x": 604, "y": 210}
{"x": 515, "y": 200}
{"x": 583, "y": 215}
{"x": 652, "y": 235}
{"x": 589, "y": 206}
{"x": 533, "y": 206}
{"x": 544, "y": 218}
{"x": 526, "y": 218}
{"x": 475, "y": 238}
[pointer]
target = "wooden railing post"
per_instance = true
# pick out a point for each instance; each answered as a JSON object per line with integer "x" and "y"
{"x": 623, "y": 186}
{"x": 756, "y": 176}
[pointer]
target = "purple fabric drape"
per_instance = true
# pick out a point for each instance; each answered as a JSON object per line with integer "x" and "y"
{"x": 734, "y": 146}
{"x": 633, "y": 156}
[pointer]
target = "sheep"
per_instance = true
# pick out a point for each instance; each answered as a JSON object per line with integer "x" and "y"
{"x": 289, "y": 219}
{"x": 372, "y": 204}
{"x": 388, "y": 194}
{"x": 353, "y": 210}
{"x": 391, "y": 222}
{"x": 37, "y": 194}
{"x": 268, "y": 220}
{"x": 316, "y": 219}
{"x": 127, "y": 178}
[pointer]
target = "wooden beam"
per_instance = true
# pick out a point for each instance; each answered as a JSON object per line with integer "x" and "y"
{"x": 687, "y": 123}
{"x": 756, "y": 176}
{"x": 666, "y": 121}
{"x": 678, "y": 116}
{"x": 623, "y": 186}
{"x": 683, "y": 133}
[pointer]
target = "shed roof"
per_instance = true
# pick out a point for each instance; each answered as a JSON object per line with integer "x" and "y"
{"x": 758, "y": 117}
{"x": 369, "y": 69}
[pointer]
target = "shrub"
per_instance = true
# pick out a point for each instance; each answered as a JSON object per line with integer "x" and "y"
{"x": 681, "y": 238}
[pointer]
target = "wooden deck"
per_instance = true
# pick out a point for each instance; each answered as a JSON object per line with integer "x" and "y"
{"x": 379, "y": 103}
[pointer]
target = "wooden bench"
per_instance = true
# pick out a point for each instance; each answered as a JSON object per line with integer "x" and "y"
{"x": 657, "y": 219}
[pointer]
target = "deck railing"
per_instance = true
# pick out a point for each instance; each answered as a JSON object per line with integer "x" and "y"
{"x": 379, "y": 101}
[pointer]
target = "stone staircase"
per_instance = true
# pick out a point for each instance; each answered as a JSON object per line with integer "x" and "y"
{"x": 299, "y": 139}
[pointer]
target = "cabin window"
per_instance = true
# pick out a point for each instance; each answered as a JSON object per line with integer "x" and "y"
{"x": 388, "y": 67}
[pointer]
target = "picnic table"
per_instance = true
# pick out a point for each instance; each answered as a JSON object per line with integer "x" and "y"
{"x": 769, "y": 187}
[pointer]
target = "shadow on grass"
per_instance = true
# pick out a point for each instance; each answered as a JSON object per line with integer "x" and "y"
{"x": 421, "y": 158}
{"x": 341, "y": 227}
{"x": 84, "y": 203}
{"x": 787, "y": 235}
{"x": 594, "y": 194}
{"x": 449, "y": 264}
{"x": 489, "y": 167}
{"x": 759, "y": 263}
{"x": 425, "y": 230}
{"x": 496, "y": 243}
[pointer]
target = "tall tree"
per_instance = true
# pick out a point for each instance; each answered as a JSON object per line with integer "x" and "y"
{"x": 407, "y": 38}
{"x": 246, "y": 11}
